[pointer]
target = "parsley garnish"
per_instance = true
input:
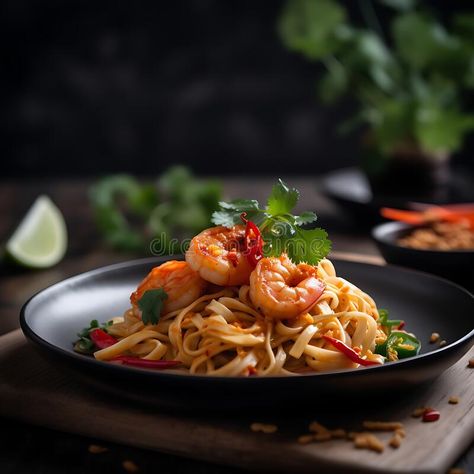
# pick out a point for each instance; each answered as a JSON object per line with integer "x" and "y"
{"x": 280, "y": 229}
{"x": 151, "y": 305}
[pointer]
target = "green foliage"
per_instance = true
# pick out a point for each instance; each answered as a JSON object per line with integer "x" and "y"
{"x": 409, "y": 81}
{"x": 151, "y": 304}
{"x": 281, "y": 230}
{"x": 130, "y": 214}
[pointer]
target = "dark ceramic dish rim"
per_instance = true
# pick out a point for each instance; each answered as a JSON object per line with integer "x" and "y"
{"x": 385, "y": 233}
{"x": 73, "y": 356}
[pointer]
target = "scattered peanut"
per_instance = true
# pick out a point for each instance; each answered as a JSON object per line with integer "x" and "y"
{"x": 456, "y": 470}
{"x": 322, "y": 436}
{"x": 442, "y": 343}
{"x": 395, "y": 441}
{"x": 263, "y": 427}
{"x": 434, "y": 337}
{"x": 305, "y": 439}
{"x": 470, "y": 364}
{"x": 368, "y": 441}
{"x": 338, "y": 433}
{"x": 400, "y": 433}
{"x": 453, "y": 400}
{"x": 96, "y": 449}
{"x": 316, "y": 427}
{"x": 382, "y": 425}
{"x": 417, "y": 412}
{"x": 130, "y": 466}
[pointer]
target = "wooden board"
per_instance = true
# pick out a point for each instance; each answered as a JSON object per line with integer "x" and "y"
{"x": 35, "y": 391}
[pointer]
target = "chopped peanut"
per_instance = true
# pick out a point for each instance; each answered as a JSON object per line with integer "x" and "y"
{"x": 453, "y": 400}
{"x": 263, "y": 427}
{"x": 305, "y": 439}
{"x": 434, "y": 337}
{"x": 96, "y": 449}
{"x": 417, "y": 412}
{"x": 401, "y": 433}
{"x": 395, "y": 441}
{"x": 382, "y": 425}
{"x": 442, "y": 343}
{"x": 322, "y": 436}
{"x": 368, "y": 441}
{"x": 130, "y": 466}
{"x": 338, "y": 433}
{"x": 316, "y": 427}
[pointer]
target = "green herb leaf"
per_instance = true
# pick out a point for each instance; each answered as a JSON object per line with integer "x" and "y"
{"x": 282, "y": 199}
{"x": 309, "y": 27}
{"x": 151, "y": 305}
{"x": 281, "y": 230}
{"x": 230, "y": 212}
{"x": 306, "y": 218}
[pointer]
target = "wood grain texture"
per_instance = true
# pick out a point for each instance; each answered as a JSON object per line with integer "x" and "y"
{"x": 35, "y": 391}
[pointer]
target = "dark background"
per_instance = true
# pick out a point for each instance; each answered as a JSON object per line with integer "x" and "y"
{"x": 92, "y": 87}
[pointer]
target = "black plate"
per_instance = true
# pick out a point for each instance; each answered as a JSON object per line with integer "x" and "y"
{"x": 350, "y": 188}
{"x": 456, "y": 265}
{"x": 52, "y": 318}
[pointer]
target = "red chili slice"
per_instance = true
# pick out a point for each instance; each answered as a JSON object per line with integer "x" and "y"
{"x": 145, "y": 363}
{"x": 253, "y": 241}
{"x": 349, "y": 352}
{"x": 101, "y": 339}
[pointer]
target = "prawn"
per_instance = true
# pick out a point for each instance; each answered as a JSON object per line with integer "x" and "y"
{"x": 218, "y": 254}
{"x": 182, "y": 285}
{"x": 281, "y": 289}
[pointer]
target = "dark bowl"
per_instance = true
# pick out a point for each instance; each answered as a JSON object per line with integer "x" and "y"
{"x": 456, "y": 265}
{"x": 52, "y": 318}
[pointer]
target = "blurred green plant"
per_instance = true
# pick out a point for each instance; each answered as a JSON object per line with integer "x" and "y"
{"x": 409, "y": 85}
{"x": 131, "y": 214}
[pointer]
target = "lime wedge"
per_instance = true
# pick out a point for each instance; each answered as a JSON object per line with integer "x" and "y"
{"x": 40, "y": 240}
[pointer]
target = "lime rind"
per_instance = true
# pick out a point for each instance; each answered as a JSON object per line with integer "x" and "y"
{"x": 40, "y": 241}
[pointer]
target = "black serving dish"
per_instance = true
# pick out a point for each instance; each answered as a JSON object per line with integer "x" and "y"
{"x": 456, "y": 265}
{"x": 52, "y": 318}
{"x": 351, "y": 190}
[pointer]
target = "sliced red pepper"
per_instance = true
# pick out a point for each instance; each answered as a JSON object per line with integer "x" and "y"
{"x": 349, "y": 352}
{"x": 101, "y": 339}
{"x": 401, "y": 325}
{"x": 145, "y": 363}
{"x": 431, "y": 415}
{"x": 253, "y": 241}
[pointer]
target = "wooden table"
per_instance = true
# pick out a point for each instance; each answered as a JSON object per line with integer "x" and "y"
{"x": 32, "y": 449}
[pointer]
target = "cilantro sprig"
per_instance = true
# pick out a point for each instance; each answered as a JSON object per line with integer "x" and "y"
{"x": 281, "y": 230}
{"x": 151, "y": 305}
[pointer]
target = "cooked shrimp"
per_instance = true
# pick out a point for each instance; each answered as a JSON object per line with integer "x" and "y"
{"x": 182, "y": 285}
{"x": 218, "y": 255}
{"x": 281, "y": 289}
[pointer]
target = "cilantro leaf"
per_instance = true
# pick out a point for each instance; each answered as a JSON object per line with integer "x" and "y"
{"x": 301, "y": 245}
{"x": 230, "y": 212}
{"x": 151, "y": 305}
{"x": 282, "y": 199}
{"x": 240, "y": 205}
{"x": 305, "y": 218}
{"x": 281, "y": 230}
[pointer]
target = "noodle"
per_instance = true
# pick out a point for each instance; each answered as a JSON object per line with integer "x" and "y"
{"x": 224, "y": 334}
